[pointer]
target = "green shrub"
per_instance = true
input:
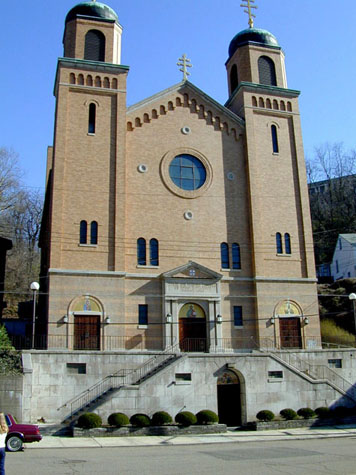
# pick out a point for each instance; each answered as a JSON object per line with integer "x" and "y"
{"x": 265, "y": 415}
{"x": 288, "y": 414}
{"x": 306, "y": 413}
{"x": 186, "y": 418}
{"x": 118, "y": 419}
{"x": 340, "y": 411}
{"x": 207, "y": 417}
{"x": 140, "y": 420}
{"x": 161, "y": 418}
{"x": 89, "y": 420}
{"x": 323, "y": 412}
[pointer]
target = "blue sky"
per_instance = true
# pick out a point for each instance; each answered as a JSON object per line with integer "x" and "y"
{"x": 317, "y": 37}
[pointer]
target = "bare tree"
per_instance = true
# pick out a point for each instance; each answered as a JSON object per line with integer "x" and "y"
{"x": 9, "y": 178}
{"x": 332, "y": 181}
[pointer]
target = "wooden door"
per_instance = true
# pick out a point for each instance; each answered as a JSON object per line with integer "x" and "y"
{"x": 87, "y": 332}
{"x": 290, "y": 332}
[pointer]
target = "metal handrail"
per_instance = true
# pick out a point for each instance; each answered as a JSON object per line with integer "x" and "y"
{"x": 117, "y": 380}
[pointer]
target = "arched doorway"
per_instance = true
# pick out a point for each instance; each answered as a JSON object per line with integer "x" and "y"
{"x": 229, "y": 399}
{"x": 87, "y": 313}
{"x": 192, "y": 328}
{"x": 289, "y": 314}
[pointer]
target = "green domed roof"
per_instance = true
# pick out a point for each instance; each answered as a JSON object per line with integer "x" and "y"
{"x": 252, "y": 35}
{"x": 92, "y": 9}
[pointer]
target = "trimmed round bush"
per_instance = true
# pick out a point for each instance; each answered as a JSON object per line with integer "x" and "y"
{"x": 306, "y": 413}
{"x": 89, "y": 420}
{"x": 207, "y": 417}
{"x": 161, "y": 418}
{"x": 288, "y": 414}
{"x": 118, "y": 419}
{"x": 185, "y": 418}
{"x": 323, "y": 412}
{"x": 265, "y": 415}
{"x": 140, "y": 420}
{"x": 340, "y": 412}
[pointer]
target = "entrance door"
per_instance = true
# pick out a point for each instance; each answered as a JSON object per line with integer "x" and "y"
{"x": 229, "y": 399}
{"x": 289, "y": 329}
{"x": 87, "y": 332}
{"x": 192, "y": 328}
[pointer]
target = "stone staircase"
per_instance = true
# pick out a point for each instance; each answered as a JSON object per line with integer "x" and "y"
{"x": 104, "y": 389}
{"x": 315, "y": 374}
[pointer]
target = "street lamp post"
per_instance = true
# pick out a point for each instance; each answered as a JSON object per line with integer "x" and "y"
{"x": 35, "y": 286}
{"x": 353, "y": 298}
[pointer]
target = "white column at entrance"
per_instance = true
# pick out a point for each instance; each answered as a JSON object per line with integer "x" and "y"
{"x": 167, "y": 319}
{"x": 175, "y": 324}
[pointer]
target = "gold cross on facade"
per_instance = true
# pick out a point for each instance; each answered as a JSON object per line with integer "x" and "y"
{"x": 184, "y": 62}
{"x": 247, "y": 4}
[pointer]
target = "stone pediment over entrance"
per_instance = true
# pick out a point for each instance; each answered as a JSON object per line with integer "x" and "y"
{"x": 192, "y": 270}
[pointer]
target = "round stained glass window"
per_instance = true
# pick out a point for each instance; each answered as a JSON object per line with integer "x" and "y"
{"x": 187, "y": 172}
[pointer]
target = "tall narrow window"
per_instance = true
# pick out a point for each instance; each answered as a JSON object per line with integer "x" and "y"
{"x": 236, "y": 258}
{"x": 287, "y": 244}
{"x": 224, "y": 251}
{"x": 267, "y": 71}
{"x": 274, "y": 139}
{"x": 83, "y": 232}
{"x": 92, "y": 118}
{"x": 143, "y": 314}
{"x": 93, "y": 232}
{"x": 154, "y": 252}
{"x": 238, "y": 322}
{"x": 279, "y": 244}
{"x": 141, "y": 252}
{"x": 94, "y": 49}
{"x": 233, "y": 78}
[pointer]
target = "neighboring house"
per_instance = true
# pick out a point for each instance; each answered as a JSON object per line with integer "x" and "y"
{"x": 344, "y": 259}
{"x": 347, "y": 183}
{"x": 177, "y": 252}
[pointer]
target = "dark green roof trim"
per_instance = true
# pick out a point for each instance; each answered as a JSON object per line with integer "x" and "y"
{"x": 97, "y": 64}
{"x": 262, "y": 88}
{"x": 181, "y": 85}
{"x": 87, "y": 65}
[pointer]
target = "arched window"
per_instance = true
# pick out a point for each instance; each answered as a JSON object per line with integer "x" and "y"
{"x": 274, "y": 139}
{"x": 72, "y": 78}
{"x": 93, "y": 232}
{"x": 267, "y": 71}
{"x": 279, "y": 244}
{"x": 83, "y": 232}
{"x": 236, "y": 258}
{"x": 153, "y": 252}
{"x": 233, "y": 78}
{"x": 94, "y": 49}
{"x": 141, "y": 252}
{"x": 224, "y": 251}
{"x": 287, "y": 245}
{"x": 92, "y": 118}
{"x": 81, "y": 80}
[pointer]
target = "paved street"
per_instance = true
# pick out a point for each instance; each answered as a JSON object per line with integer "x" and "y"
{"x": 319, "y": 456}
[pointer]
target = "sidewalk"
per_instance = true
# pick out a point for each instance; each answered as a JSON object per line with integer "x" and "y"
{"x": 53, "y": 442}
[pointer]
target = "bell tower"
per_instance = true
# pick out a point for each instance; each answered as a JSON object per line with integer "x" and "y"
{"x": 281, "y": 234}
{"x": 87, "y": 160}
{"x": 93, "y": 32}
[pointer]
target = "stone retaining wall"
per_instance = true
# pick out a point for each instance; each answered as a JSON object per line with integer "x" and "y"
{"x": 275, "y": 425}
{"x": 162, "y": 430}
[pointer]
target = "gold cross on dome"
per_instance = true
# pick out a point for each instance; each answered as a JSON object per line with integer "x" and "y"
{"x": 247, "y": 4}
{"x": 184, "y": 62}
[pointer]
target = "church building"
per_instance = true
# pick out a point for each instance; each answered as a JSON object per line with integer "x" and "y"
{"x": 177, "y": 252}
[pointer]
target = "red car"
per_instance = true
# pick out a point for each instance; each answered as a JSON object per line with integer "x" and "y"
{"x": 20, "y": 433}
